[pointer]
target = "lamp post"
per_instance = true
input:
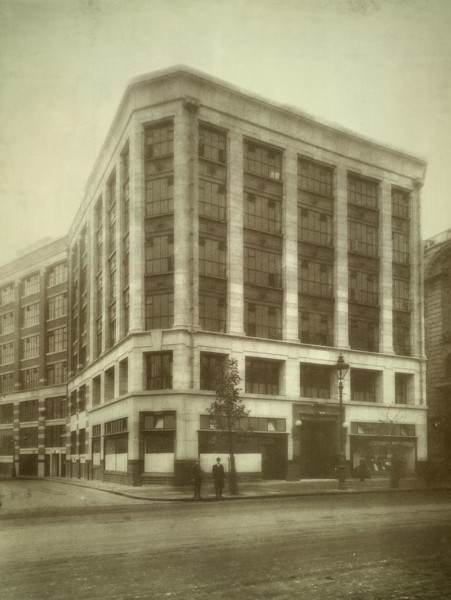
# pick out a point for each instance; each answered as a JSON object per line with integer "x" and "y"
{"x": 341, "y": 369}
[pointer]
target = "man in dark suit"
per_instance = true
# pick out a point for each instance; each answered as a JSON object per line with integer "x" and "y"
{"x": 218, "y": 477}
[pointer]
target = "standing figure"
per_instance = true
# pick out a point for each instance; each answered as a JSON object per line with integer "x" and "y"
{"x": 197, "y": 479}
{"x": 218, "y": 477}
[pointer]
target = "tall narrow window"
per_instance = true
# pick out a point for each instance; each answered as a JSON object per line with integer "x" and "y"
{"x": 159, "y": 370}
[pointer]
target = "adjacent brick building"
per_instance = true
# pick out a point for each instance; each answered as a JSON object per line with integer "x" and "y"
{"x": 438, "y": 347}
{"x": 33, "y": 361}
{"x": 216, "y": 223}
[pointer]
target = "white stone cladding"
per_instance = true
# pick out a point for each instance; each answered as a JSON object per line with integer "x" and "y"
{"x": 187, "y": 98}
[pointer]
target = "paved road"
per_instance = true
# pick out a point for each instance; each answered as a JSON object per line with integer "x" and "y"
{"x": 368, "y": 547}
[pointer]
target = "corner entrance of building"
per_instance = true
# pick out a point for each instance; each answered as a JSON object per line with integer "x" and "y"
{"x": 318, "y": 449}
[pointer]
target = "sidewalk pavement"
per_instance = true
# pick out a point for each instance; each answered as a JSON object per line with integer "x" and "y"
{"x": 258, "y": 489}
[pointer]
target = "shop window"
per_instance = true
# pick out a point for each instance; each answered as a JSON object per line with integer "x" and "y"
{"x": 153, "y": 421}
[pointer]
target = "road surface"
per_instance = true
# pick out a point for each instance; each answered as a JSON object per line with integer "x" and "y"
{"x": 369, "y": 546}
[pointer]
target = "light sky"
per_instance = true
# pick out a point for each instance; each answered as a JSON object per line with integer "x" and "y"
{"x": 381, "y": 68}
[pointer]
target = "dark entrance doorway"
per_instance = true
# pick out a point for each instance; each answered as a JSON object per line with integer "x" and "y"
{"x": 318, "y": 448}
{"x": 28, "y": 465}
{"x": 274, "y": 449}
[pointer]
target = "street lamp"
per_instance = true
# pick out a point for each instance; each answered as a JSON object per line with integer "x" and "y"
{"x": 341, "y": 369}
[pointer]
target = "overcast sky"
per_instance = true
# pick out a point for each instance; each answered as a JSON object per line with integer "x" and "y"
{"x": 381, "y": 68}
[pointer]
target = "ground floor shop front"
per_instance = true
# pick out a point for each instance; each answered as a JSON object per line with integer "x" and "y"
{"x": 157, "y": 440}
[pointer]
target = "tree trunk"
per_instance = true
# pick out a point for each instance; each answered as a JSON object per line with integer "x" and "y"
{"x": 233, "y": 483}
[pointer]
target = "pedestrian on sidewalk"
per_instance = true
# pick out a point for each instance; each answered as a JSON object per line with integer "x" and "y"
{"x": 197, "y": 479}
{"x": 218, "y": 477}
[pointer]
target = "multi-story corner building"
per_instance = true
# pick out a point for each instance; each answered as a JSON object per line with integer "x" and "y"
{"x": 437, "y": 260}
{"x": 214, "y": 224}
{"x": 33, "y": 361}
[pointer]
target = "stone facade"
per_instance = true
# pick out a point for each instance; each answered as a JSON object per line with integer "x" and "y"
{"x": 216, "y": 223}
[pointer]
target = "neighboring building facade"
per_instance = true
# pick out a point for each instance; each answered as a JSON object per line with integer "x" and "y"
{"x": 216, "y": 223}
{"x": 437, "y": 253}
{"x": 33, "y": 362}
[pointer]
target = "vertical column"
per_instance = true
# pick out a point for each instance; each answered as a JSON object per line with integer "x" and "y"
{"x": 417, "y": 293}
{"x": 119, "y": 249}
{"x": 17, "y": 332}
{"x": 133, "y": 466}
{"x": 16, "y": 445}
{"x": 387, "y": 393}
{"x": 92, "y": 283}
{"x": 385, "y": 270}
{"x": 290, "y": 250}
{"x": 182, "y": 233}
{"x": 341, "y": 259}
{"x": 136, "y": 286}
{"x": 416, "y": 273}
{"x": 292, "y": 384}
{"x": 191, "y": 107}
{"x": 235, "y": 295}
{"x": 41, "y": 437}
{"x": 42, "y": 328}
{"x": 136, "y": 371}
{"x": 105, "y": 270}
